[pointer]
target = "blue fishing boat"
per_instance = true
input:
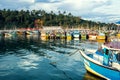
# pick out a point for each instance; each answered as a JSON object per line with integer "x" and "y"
{"x": 103, "y": 63}
{"x": 76, "y": 34}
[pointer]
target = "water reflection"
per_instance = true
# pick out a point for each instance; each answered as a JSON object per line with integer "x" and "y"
{"x": 35, "y": 56}
{"x": 89, "y": 76}
{"x": 29, "y": 62}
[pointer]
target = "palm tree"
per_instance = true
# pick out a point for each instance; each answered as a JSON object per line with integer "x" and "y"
{"x": 59, "y": 18}
{"x": 64, "y": 18}
{"x": 51, "y": 15}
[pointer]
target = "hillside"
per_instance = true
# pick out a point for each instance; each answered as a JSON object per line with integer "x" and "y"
{"x": 10, "y": 19}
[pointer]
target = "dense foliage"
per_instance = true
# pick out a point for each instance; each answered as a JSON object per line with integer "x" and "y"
{"x": 11, "y": 19}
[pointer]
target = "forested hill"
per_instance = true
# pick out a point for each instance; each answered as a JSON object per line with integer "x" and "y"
{"x": 10, "y": 19}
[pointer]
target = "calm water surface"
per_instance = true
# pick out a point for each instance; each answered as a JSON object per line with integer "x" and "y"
{"x": 30, "y": 58}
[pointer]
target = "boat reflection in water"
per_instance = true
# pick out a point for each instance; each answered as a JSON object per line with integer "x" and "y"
{"x": 89, "y": 76}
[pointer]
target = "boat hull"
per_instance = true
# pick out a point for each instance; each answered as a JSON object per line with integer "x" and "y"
{"x": 76, "y": 35}
{"x": 100, "y": 70}
{"x": 83, "y": 36}
{"x": 100, "y": 37}
{"x": 118, "y": 35}
{"x": 92, "y": 37}
{"x": 69, "y": 38}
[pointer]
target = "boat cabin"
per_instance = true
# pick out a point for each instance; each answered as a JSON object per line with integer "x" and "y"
{"x": 107, "y": 57}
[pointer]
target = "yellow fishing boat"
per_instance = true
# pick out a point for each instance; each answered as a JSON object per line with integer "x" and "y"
{"x": 101, "y": 40}
{"x": 83, "y": 36}
{"x": 118, "y": 35}
{"x": 101, "y": 36}
{"x": 44, "y": 35}
{"x": 92, "y": 37}
{"x": 68, "y": 36}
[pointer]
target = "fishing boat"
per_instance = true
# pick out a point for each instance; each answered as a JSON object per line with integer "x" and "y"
{"x": 83, "y": 36}
{"x": 62, "y": 36}
{"x": 20, "y": 32}
{"x": 7, "y": 34}
{"x": 118, "y": 35}
{"x": 44, "y": 35}
{"x": 13, "y": 33}
{"x": 101, "y": 36}
{"x": 100, "y": 41}
{"x": 115, "y": 39}
{"x": 52, "y": 35}
{"x": 68, "y": 35}
{"x": 76, "y": 34}
{"x": 92, "y": 35}
{"x": 29, "y": 32}
{"x": 58, "y": 35}
{"x": 103, "y": 63}
{"x": 35, "y": 32}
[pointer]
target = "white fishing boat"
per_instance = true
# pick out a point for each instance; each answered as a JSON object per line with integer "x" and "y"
{"x": 76, "y": 34}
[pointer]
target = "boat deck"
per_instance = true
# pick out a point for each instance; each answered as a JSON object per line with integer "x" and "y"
{"x": 100, "y": 56}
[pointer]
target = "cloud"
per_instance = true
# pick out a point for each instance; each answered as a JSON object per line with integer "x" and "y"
{"x": 29, "y": 1}
{"x": 44, "y": 6}
{"x": 96, "y": 10}
{"x": 15, "y": 4}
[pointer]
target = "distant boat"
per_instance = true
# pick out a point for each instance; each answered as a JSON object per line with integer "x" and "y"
{"x": 58, "y": 35}
{"x": 83, "y": 36}
{"x": 101, "y": 36}
{"x": 76, "y": 34}
{"x": 20, "y": 32}
{"x": 35, "y": 32}
{"x": 103, "y": 63}
{"x": 118, "y": 35}
{"x": 7, "y": 34}
{"x": 92, "y": 36}
{"x": 68, "y": 36}
{"x": 52, "y": 35}
{"x": 62, "y": 36}
{"x": 115, "y": 39}
{"x": 29, "y": 32}
{"x": 100, "y": 40}
{"x": 14, "y": 33}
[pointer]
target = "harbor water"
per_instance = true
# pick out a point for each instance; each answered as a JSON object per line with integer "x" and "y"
{"x": 30, "y": 58}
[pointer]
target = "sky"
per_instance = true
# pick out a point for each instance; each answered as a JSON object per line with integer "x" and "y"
{"x": 96, "y": 10}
